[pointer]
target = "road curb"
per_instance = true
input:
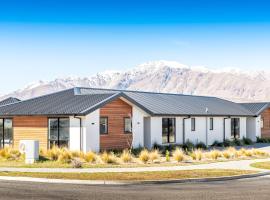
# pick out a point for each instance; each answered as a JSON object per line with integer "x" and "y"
{"x": 100, "y": 182}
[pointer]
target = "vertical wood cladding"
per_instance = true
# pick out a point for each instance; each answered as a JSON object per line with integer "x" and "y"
{"x": 116, "y": 111}
{"x": 266, "y": 123}
{"x": 30, "y": 128}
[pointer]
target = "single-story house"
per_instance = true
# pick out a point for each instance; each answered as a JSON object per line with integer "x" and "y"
{"x": 101, "y": 119}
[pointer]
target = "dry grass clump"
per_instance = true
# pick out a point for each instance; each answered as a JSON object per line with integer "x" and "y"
{"x": 108, "y": 158}
{"x": 126, "y": 156}
{"x": 144, "y": 156}
{"x": 197, "y": 154}
{"x": 90, "y": 157}
{"x": 10, "y": 154}
{"x": 65, "y": 156}
{"x": 258, "y": 152}
{"x": 214, "y": 154}
{"x": 178, "y": 155}
{"x": 53, "y": 153}
{"x": 154, "y": 156}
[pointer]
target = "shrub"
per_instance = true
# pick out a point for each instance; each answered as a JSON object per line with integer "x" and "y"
{"x": 154, "y": 155}
{"x": 126, "y": 156}
{"x": 262, "y": 140}
{"x": 90, "y": 157}
{"x": 201, "y": 145}
{"x": 137, "y": 151}
{"x": 188, "y": 146}
{"x": 76, "y": 163}
{"x": 144, "y": 156}
{"x": 258, "y": 152}
{"x": 196, "y": 154}
{"x": 238, "y": 142}
{"x": 247, "y": 141}
{"x": 108, "y": 158}
{"x": 167, "y": 156}
{"x": 178, "y": 155}
{"x": 228, "y": 143}
{"x": 216, "y": 144}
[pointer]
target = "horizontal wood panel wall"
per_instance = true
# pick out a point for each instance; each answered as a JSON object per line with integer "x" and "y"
{"x": 116, "y": 111}
{"x": 266, "y": 123}
{"x": 30, "y": 128}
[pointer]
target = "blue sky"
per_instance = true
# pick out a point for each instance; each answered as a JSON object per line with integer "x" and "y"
{"x": 50, "y": 39}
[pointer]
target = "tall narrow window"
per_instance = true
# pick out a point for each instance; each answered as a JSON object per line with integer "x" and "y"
{"x": 6, "y": 132}
{"x": 103, "y": 125}
{"x": 193, "y": 124}
{"x": 211, "y": 123}
{"x": 235, "y": 127}
{"x": 168, "y": 130}
{"x": 59, "y": 132}
{"x": 127, "y": 125}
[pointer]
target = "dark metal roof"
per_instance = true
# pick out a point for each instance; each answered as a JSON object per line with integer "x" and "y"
{"x": 256, "y": 108}
{"x": 81, "y": 101}
{"x": 9, "y": 100}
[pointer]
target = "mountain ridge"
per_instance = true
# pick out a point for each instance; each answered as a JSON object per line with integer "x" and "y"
{"x": 167, "y": 77}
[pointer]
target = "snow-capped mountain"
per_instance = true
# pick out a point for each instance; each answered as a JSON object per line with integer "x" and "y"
{"x": 166, "y": 76}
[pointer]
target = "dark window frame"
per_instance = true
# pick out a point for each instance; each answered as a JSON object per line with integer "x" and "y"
{"x": 168, "y": 128}
{"x": 127, "y": 132}
{"x": 211, "y": 123}
{"x": 58, "y": 131}
{"x": 193, "y": 124}
{"x": 235, "y": 130}
{"x": 2, "y": 140}
{"x": 107, "y": 125}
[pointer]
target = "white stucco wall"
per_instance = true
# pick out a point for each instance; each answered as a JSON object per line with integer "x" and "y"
{"x": 91, "y": 137}
{"x": 138, "y": 127}
{"x": 218, "y": 130}
{"x": 199, "y": 135}
{"x": 253, "y": 127}
{"x": 179, "y": 130}
{"x": 156, "y": 130}
{"x": 147, "y": 132}
{"x": 243, "y": 127}
{"x": 75, "y": 134}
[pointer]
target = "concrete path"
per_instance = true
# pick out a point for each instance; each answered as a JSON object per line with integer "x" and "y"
{"x": 240, "y": 165}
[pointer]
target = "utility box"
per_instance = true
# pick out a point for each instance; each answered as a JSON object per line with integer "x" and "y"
{"x": 31, "y": 150}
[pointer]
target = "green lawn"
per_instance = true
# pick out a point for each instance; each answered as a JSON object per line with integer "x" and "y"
{"x": 261, "y": 165}
{"x": 137, "y": 176}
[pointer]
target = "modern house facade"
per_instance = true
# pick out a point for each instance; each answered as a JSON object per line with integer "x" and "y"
{"x": 102, "y": 119}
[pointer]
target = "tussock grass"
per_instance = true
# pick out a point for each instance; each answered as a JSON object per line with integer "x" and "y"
{"x": 178, "y": 155}
{"x": 144, "y": 156}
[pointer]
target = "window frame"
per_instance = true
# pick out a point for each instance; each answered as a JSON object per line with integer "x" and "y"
{"x": 193, "y": 124}
{"x": 211, "y": 123}
{"x": 169, "y": 132}
{"x": 107, "y": 125}
{"x": 2, "y": 140}
{"x": 127, "y": 132}
{"x": 58, "y": 131}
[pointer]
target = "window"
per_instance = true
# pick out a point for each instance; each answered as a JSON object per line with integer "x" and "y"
{"x": 235, "y": 126}
{"x": 6, "y": 132}
{"x": 103, "y": 125}
{"x": 59, "y": 132}
{"x": 211, "y": 123}
{"x": 193, "y": 124}
{"x": 127, "y": 125}
{"x": 168, "y": 130}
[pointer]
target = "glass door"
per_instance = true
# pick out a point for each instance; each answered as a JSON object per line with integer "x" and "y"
{"x": 235, "y": 126}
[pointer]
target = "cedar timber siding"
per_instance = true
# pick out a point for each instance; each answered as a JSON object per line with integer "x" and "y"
{"x": 116, "y": 111}
{"x": 266, "y": 123}
{"x": 30, "y": 128}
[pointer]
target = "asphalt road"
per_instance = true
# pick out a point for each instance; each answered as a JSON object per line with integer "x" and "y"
{"x": 247, "y": 189}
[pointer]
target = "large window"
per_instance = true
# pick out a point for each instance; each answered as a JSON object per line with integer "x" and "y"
{"x": 6, "y": 132}
{"x": 127, "y": 125}
{"x": 59, "y": 132}
{"x": 235, "y": 126}
{"x": 103, "y": 125}
{"x": 168, "y": 130}
{"x": 193, "y": 124}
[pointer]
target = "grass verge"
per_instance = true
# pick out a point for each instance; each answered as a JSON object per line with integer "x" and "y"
{"x": 131, "y": 176}
{"x": 261, "y": 165}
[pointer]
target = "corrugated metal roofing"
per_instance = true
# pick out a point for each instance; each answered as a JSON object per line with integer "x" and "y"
{"x": 81, "y": 101}
{"x": 256, "y": 108}
{"x": 9, "y": 100}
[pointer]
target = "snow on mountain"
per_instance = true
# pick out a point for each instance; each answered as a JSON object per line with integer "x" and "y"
{"x": 166, "y": 76}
